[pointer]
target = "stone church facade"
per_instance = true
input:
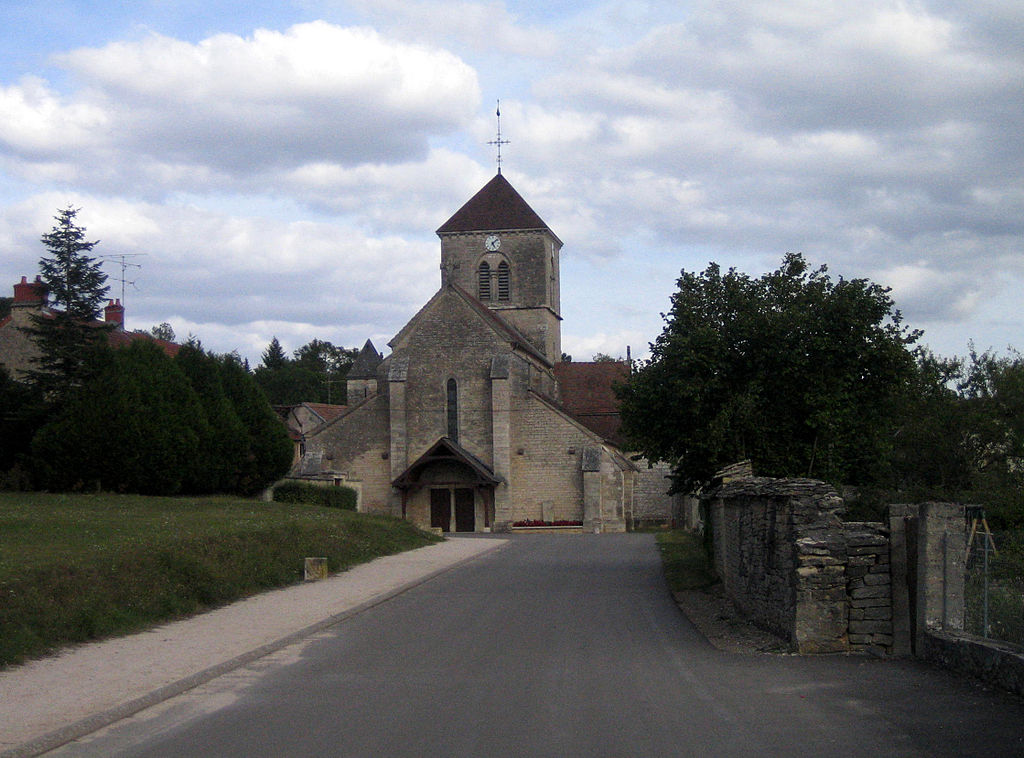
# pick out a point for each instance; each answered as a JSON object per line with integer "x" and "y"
{"x": 464, "y": 425}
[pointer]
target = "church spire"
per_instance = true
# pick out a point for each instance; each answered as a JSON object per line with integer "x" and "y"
{"x": 498, "y": 142}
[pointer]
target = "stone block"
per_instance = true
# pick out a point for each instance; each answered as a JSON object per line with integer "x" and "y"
{"x": 819, "y": 560}
{"x": 876, "y": 579}
{"x": 856, "y": 571}
{"x": 870, "y": 602}
{"x": 860, "y": 639}
{"x": 865, "y": 592}
{"x": 315, "y": 568}
{"x": 865, "y": 626}
{"x": 865, "y": 540}
{"x": 868, "y": 550}
{"x": 879, "y": 613}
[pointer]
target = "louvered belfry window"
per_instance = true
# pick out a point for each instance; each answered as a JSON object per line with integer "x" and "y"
{"x": 484, "y": 279}
{"x": 504, "y": 287}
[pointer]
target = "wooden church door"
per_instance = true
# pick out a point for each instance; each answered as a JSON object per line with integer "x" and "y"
{"x": 465, "y": 517}
{"x": 441, "y": 508}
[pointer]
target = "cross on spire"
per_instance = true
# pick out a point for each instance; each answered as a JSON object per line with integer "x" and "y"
{"x": 499, "y": 141}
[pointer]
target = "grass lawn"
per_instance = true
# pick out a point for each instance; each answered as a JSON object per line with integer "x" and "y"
{"x": 687, "y": 566}
{"x": 81, "y": 567}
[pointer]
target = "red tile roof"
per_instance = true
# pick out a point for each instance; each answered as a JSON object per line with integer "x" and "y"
{"x": 119, "y": 338}
{"x": 496, "y": 206}
{"x": 587, "y": 394}
{"x": 328, "y": 412}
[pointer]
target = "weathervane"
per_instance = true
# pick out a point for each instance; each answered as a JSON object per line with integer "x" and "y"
{"x": 499, "y": 141}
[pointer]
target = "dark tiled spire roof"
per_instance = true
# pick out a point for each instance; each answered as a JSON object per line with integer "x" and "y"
{"x": 495, "y": 207}
{"x": 365, "y": 365}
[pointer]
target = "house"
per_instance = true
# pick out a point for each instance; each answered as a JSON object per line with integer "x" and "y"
{"x": 18, "y": 350}
{"x": 300, "y": 418}
{"x": 473, "y": 422}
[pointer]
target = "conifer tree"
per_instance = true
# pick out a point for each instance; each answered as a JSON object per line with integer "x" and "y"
{"x": 273, "y": 356}
{"x": 223, "y": 441}
{"x": 68, "y": 334}
{"x": 270, "y": 450}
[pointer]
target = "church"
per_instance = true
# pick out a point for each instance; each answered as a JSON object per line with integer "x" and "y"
{"x": 474, "y": 422}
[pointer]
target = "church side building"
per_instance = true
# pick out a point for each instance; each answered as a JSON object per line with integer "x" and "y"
{"x": 463, "y": 426}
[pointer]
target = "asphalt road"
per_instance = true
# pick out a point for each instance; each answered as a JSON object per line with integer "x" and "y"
{"x": 561, "y": 646}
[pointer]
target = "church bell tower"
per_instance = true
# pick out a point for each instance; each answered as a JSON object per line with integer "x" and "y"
{"x": 500, "y": 251}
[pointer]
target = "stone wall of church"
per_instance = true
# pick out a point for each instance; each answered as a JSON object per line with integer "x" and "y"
{"x": 651, "y": 501}
{"x": 533, "y": 303}
{"x": 547, "y": 449}
{"x": 356, "y": 445}
{"x": 529, "y": 254}
{"x": 449, "y": 342}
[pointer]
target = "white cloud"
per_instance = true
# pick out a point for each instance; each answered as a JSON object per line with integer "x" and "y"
{"x": 882, "y": 139}
{"x": 166, "y": 111}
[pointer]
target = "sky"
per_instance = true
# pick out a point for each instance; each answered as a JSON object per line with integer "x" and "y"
{"x": 278, "y": 168}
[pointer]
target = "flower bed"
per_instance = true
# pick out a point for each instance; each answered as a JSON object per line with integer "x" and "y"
{"x": 538, "y": 523}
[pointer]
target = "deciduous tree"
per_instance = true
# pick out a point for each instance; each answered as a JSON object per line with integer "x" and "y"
{"x": 794, "y": 370}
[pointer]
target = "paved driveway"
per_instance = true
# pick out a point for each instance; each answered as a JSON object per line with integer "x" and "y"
{"x": 562, "y": 645}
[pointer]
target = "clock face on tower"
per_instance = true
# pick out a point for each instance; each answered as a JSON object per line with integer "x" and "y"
{"x": 492, "y": 243}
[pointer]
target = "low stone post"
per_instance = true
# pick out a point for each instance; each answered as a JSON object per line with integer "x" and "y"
{"x": 316, "y": 568}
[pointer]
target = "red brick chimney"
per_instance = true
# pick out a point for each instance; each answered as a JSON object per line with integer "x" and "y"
{"x": 114, "y": 314}
{"x": 30, "y": 293}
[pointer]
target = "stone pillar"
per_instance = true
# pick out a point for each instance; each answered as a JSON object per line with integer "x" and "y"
{"x": 501, "y": 411}
{"x": 591, "y": 464}
{"x": 902, "y": 641}
{"x": 941, "y": 561}
{"x": 398, "y": 455}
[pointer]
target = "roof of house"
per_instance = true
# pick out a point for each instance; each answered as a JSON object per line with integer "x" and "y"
{"x": 326, "y": 411}
{"x": 587, "y": 394}
{"x": 496, "y": 206}
{"x": 121, "y": 338}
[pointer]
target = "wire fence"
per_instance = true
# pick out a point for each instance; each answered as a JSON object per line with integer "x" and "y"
{"x": 994, "y": 585}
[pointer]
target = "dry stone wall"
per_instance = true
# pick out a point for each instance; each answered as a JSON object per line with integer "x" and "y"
{"x": 787, "y": 560}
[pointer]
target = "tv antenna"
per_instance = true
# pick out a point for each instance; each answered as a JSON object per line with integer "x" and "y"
{"x": 498, "y": 141}
{"x": 125, "y": 264}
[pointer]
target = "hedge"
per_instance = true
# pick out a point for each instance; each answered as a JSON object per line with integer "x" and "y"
{"x": 314, "y": 494}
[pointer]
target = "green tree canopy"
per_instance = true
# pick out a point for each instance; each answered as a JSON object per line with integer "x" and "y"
{"x": 315, "y": 374}
{"x": 223, "y": 446}
{"x": 132, "y": 427}
{"x": 270, "y": 449}
{"x": 795, "y": 371}
{"x": 163, "y": 331}
{"x": 273, "y": 356}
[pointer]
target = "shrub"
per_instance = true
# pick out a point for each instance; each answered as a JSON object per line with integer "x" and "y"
{"x": 313, "y": 494}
